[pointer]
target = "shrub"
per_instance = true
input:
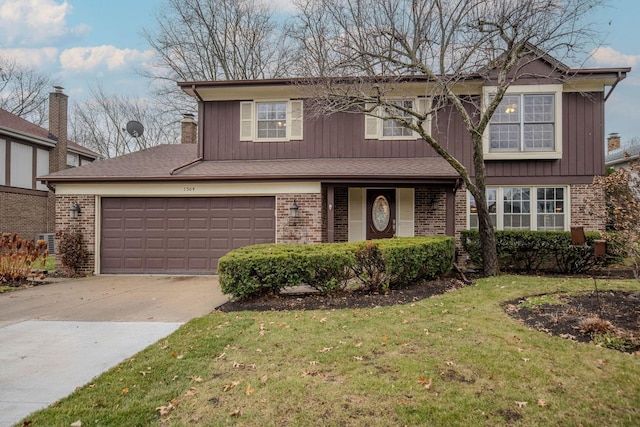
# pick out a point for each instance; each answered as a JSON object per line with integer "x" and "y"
{"x": 529, "y": 251}
{"x": 17, "y": 257}
{"x": 261, "y": 269}
{"x": 71, "y": 250}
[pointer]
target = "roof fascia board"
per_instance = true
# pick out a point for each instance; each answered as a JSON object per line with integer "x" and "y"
{"x": 26, "y": 137}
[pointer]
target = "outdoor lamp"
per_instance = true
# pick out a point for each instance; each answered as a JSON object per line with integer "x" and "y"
{"x": 74, "y": 210}
{"x": 293, "y": 210}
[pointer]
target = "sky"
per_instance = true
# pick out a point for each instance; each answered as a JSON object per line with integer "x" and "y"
{"x": 86, "y": 43}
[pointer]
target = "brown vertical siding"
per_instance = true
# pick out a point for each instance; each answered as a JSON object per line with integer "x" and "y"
{"x": 342, "y": 136}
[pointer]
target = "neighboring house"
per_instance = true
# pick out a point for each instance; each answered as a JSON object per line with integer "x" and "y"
{"x": 264, "y": 170}
{"x": 617, "y": 157}
{"x": 27, "y": 207}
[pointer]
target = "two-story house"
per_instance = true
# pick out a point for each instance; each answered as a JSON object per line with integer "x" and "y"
{"x": 27, "y": 151}
{"x": 265, "y": 170}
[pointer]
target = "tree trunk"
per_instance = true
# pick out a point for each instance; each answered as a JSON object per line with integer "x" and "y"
{"x": 485, "y": 227}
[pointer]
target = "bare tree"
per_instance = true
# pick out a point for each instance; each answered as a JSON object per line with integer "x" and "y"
{"x": 24, "y": 91}
{"x": 198, "y": 40}
{"x": 99, "y": 124}
{"x": 373, "y": 45}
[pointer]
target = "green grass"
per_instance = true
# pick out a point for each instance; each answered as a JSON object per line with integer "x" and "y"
{"x": 455, "y": 359}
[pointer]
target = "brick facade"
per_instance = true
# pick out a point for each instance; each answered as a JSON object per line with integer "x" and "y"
{"x": 587, "y": 207}
{"x": 307, "y": 227}
{"x": 84, "y": 223}
{"x": 430, "y": 211}
{"x": 26, "y": 213}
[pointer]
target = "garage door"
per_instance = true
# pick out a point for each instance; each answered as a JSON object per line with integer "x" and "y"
{"x": 180, "y": 235}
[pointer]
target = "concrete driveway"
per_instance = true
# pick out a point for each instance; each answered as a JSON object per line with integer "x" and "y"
{"x": 58, "y": 336}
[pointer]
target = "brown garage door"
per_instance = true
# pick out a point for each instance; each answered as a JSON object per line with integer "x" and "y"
{"x": 180, "y": 235}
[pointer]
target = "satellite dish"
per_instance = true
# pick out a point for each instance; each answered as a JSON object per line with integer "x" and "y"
{"x": 135, "y": 129}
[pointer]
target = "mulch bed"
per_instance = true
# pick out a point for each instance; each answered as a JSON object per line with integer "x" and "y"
{"x": 356, "y": 299}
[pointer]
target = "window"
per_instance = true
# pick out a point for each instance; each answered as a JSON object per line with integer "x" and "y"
{"x": 526, "y": 124}
{"x": 271, "y": 120}
{"x": 393, "y": 128}
{"x": 42, "y": 167}
{"x": 73, "y": 160}
{"x": 3, "y": 161}
{"x": 523, "y": 123}
{"x": 524, "y": 208}
{"x": 22, "y": 166}
{"x": 550, "y": 207}
{"x": 491, "y": 203}
{"x": 380, "y": 128}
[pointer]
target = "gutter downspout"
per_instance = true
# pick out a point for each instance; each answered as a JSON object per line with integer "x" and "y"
{"x": 618, "y": 80}
{"x": 186, "y": 165}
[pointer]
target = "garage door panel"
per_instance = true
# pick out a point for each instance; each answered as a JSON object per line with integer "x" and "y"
{"x": 180, "y": 235}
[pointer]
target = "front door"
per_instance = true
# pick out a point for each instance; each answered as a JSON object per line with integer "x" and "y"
{"x": 381, "y": 213}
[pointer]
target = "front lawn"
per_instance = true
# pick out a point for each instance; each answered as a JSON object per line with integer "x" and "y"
{"x": 454, "y": 359}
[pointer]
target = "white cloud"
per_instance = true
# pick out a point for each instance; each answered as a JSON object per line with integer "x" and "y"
{"x": 101, "y": 57}
{"x": 32, "y": 22}
{"x": 608, "y": 57}
{"x": 36, "y": 58}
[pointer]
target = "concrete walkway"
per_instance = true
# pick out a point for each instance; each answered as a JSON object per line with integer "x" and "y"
{"x": 58, "y": 336}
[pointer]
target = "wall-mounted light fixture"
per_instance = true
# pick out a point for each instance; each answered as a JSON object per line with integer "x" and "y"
{"x": 74, "y": 210}
{"x": 294, "y": 210}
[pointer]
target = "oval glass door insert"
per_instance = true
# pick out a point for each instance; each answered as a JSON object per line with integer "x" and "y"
{"x": 380, "y": 213}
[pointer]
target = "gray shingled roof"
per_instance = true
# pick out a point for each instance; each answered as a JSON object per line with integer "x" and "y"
{"x": 622, "y": 154}
{"x": 176, "y": 162}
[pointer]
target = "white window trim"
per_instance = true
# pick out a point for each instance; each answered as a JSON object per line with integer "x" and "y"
{"x": 248, "y": 120}
{"x": 534, "y": 205}
{"x": 556, "y": 90}
{"x": 422, "y": 104}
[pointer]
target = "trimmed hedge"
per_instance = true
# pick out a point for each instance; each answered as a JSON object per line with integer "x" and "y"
{"x": 379, "y": 264}
{"x": 530, "y": 251}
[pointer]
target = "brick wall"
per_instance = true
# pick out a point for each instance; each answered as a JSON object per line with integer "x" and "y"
{"x": 341, "y": 214}
{"x": 587, "y": 207}
{"x": 307, "y": 228}
{"x": 27, "y": 214}
{"x": 430, "y": 211}
{"x": 84, "y": 223}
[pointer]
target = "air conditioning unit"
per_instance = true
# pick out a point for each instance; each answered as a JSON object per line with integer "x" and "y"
{"x": 50, "y": 238}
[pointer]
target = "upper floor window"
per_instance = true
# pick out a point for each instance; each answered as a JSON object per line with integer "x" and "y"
{"x": 381, "y": 128}
{"x": 20, "y": 164}
{"x": 526, "y": 124}
{"x": 73, "y": 160}
{"x": 271, "y": 120}
{"x": 524, "y": 208}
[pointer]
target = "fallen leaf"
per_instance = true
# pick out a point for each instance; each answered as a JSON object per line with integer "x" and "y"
{"x": 264, "y": 378}
{"x": 313, "y": 363}
{"x": 385, "y": 338}
{"x": 325, "y": 350}
{"x": 521, "y": 404}
{"x": 222, "y": 356}
{"x": 191, "y": 392}
{"x": 230, "y": 385}
{"x": 180, "y": 356}
{"x": 358, "y": 358}
{"x": 542, "y": 402}
{"x": 324, "y": 319}
{"x": 165, "y": 410}
{"x": 449, "y": 363}
{"x": 250, "y": 390}
{"x": 359, "y": 344}
{"x": 144, "y": 373}
{"x": 235, "y": 413}
{"x": 196, "y": 379}
{"x": 125, "y": 390}
{"x": 237, "y": 365}
{"x": 525, "y": 359}
{"x": 77, "y": 424}
{"x": 427, "y": 382}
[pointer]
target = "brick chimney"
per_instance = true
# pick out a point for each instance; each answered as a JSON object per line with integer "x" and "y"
{"x": 58, "y": 102}
{"x": 613, "y": 142}
{"x": 189, "y": 130}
